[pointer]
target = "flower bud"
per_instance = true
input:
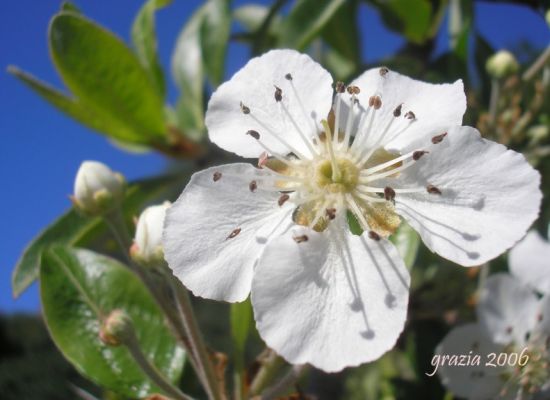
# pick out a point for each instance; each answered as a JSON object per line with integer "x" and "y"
{"x": 147, "y": 248}
{"x": 97, "y": 188}
{"x": 116, "y": 329}
{"x": 502, "y": 64}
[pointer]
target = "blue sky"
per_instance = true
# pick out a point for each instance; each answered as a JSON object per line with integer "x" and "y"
{"x": 41, "y": 148}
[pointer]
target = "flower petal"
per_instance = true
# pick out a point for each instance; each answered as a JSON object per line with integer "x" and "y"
{"x": 215, "y": 232}
{"x": 489, "y": 197}
{"x": 528, "y": 261}
{"x": 307, "y": 97}
{"x": 507, "y": 310}
{"x": 436, "y": 108}
{"x": 475, "y": 381}
{"x": 334, "y": 300}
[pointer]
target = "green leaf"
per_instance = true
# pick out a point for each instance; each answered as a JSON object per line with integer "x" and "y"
{"x": 79, "y": 288}
{"x": 306, "y": 19}
{"x": 215, "y": 32}
{"x": 145, "y": 42}
{"x": 410, "y": 18}
{"x": 241, "y": 323}
{"x": 342, "y": 32}
{"x": 251, "y": 16}
{"x": 69, "y": 6}
{"x": 407, "y": 241}
{"x": 74, "y": 229}
{"x": 107, "y": 78}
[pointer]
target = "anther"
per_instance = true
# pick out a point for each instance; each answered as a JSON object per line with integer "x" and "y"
{"x": 300, "y": 239}
{"x": 353, "y": 90}
{"x": 418, "y": 154}
{"x": 374, "y": 236}
{"x": 375, "y": 102}
{"x": 262, "y": 159}
{"x": 278, "y": 94}
{"x": 383, "y": 71}
{"x": 410, "y": 115}
{"x": 331, "y": 213}
{"x": 509, "y": 330}
{"x": 288, "y": 77}
{"x": 282, "y": 200}
{"x": 389, "y": 193}
{"x": 439, "y": 138}
{"x": 253, "y": 185}
{"x": 539, "y": 318}
{"x": 234, "y": 233}
{"x": 340, "y": 87}
{"x": 244, "y": 109}
{"x": 397, "y": 111}
{"x": 254, "y": 134}
{"x": 431, "y": 189}
{"x": 217, "y": 176}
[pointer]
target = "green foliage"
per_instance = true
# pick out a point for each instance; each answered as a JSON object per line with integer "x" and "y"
{"x": 77, "y": 230}
{"x": 241, "y": 324}
{"x": 79, "y": 288}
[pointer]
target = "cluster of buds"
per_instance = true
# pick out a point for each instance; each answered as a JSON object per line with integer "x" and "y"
{"x": 147, "y": 248}
{"x": 97, "y": 188}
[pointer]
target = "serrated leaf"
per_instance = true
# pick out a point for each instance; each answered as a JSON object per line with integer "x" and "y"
{"x": 145, "y": 42}
{"x": 79, "y": 288}
{"x": 306, "y": 19}
{"x": 73, "y": 229}
{"x": 107, "y": 78}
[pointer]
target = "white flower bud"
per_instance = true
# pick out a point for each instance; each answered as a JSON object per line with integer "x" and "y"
{"x": 97, "y": 188}
{"x": 147, "y": 248}
{"x": 116, "y": 329}
{"x": 502, "y": 64}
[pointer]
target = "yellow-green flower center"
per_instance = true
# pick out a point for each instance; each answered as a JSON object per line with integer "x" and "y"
{"x": 344, "y": 181}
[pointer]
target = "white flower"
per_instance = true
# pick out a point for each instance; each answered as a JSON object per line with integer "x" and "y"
{"x": 97, "y": 187}
{"x": 147, "y": 247}
{"x": 511, "y": 318}
{"x": 320, "y": 294}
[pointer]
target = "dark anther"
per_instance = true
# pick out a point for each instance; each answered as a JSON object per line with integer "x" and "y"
{"x": 300, "y": 239}
{"x": 389, "y": 193}
{"x": 253, "y": 185}
{"x": 353, "y": 90}
{"x": 432, "y": 189}
{"x": 375, "y": 102}
{"x": 539, "y": 318}
{"x": 509, "y": 330}
{"x": 340, "y": 87}
{"x": 418, "y": 154}
{"x": 217, "y": 176}
{"x": 245, "y": 109}
{"x": 278, "y": 94}
{"x": 262, "y": 159}
{"x": 383, "y": 71}
{"x": 234, "y": 233}
{"x": 356, "y": 101}
{"x": 288, "y": 77}
{"x": 374, "y": 236}
{"x": 331, "y": 213}
{"x": 397, "y": 111}
{"x": 254, "y": 134}
{"x": 410, "y": 115}
{"x": 439, "y": 138}
{"x": 282, "y": 200}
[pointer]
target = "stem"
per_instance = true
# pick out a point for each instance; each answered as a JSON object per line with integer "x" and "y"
{"x": 198, "y": 347}
{"x": 455, "y": 23}
{"x": 493, "y": 102}
{"x": 289, "y": 379}
{"x": 151, "y": 371}
{"x": 537, "y": 65}
{"x": 483, "y": 274}
{"x": 270, "y": 366}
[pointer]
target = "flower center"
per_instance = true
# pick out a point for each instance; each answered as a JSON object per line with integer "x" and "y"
{"x": 344, "y": 181}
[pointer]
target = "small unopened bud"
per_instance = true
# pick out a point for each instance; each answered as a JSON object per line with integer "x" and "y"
{"x": 97, "y": 188}
{"x": 502, "y": 64}
{"x": 147, "y": 248}
{"x": 116, "y": 329}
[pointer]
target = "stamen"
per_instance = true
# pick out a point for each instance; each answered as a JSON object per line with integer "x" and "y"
{"x": 431, "y": 189}
{"x": 387, "y": 164}
{"x": 383, "y": 71}
{"x": 389, "y": 193}
{"x": 283, "y": 199}
{"x": 279, "y": 138}
{"x": 340, "y": 87}
{"x": 410, "y": 115}
{"x": 371, "y": 149}
{"x": 288, "y": 77}
{"x": 362, "y": 134}
{"x": 254, "y": 134}
{"x": 216, "y": 176}
{"x": 331, "y": 214}
{"x": 374, "y": 236}
{"x": 375, "y": 102}
{"x": 336, "y": 175}
{"x": 349, "y": 121}
{"x": 302, "y": 135}
{"x": 353, "y": 90}
{"x": 397, "y": 111}
{"x": 262, "y": 159}
{"x": 371, "y": 189}
{"x": 381, "y": 175}
{"x": 368, "y": 198}
{"x": 439, "y": 138}
{"x": 308, "y": 118}
{"x": 300, "y": 239}
{"x": 244, "y": 108}
{"x": 358, "y": 214}
{"x": 278, "y": 94}
{"x": 418, "y": 154}
{"x": 320, "y": 212}
{"x": 253, "y": 185}
{"x": 234, "y": 233}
